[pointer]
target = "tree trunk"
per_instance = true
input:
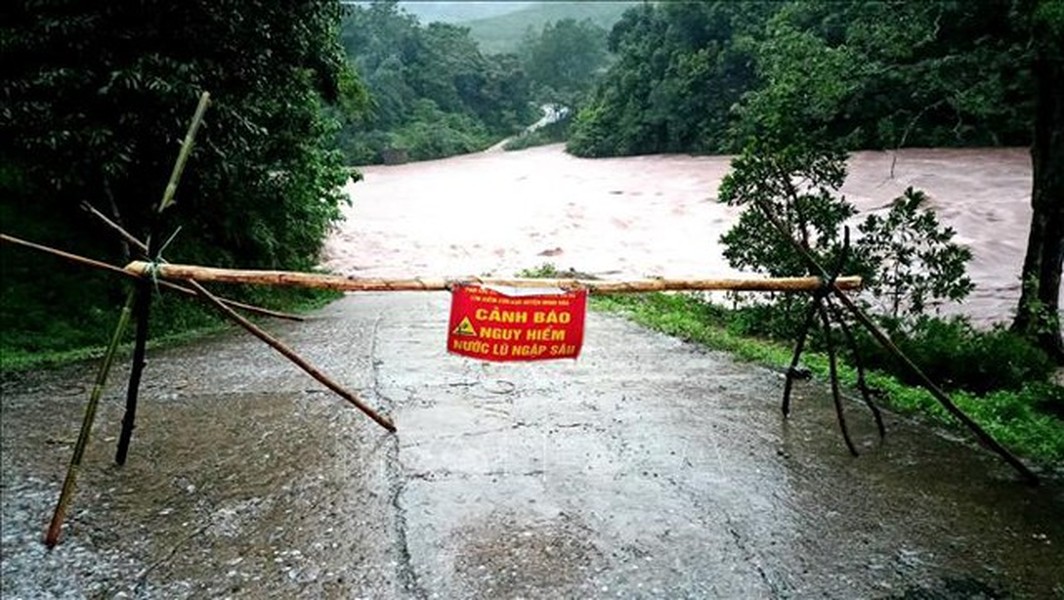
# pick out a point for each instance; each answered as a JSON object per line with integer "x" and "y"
{"x": 1038, "y": 314}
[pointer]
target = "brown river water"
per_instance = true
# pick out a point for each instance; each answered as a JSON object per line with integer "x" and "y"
{"x": 647, "y": 468}
{"x": 500, "y": 212}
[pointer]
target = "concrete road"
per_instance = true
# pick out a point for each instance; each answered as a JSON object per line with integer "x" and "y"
{"x": 648, "y": 468}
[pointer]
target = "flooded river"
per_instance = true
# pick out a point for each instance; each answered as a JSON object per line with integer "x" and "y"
{"x": 647, "y": 468}
{"x": 500, "y": 212}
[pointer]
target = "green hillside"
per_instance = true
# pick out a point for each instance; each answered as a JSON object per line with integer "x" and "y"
{"x": 449, "y": 11}
{"x": 503, "y": 33}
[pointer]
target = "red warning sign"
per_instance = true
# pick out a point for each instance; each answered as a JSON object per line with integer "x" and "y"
{"x": 504, "y": 324}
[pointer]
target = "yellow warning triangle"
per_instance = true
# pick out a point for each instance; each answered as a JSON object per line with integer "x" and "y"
{"x": 465, "y": 328}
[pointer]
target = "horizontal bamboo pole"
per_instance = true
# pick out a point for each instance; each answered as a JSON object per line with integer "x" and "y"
{"x": 258, "y": 310}
{"x": 356, "y": 284}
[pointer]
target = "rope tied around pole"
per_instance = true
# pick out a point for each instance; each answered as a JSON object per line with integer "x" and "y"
{"x": 158, "y": 260}
{"x": 151, "y": 270}
{"x": 824, "y": 289}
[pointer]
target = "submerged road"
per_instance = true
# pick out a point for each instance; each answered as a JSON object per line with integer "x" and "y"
{"x": 648, "y": 468}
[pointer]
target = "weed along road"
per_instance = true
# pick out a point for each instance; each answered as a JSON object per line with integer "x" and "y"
{"x": 646, "y": 468}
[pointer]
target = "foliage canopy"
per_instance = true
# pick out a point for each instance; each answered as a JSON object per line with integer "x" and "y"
{"x": 95, "y": 101}
{"x": 706, "y": 76}
{"x": 432, "y": 92}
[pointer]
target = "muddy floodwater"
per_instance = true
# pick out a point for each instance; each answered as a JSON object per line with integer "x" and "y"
{"x": 500, "y": 212}
{"x": 647, "y": 468}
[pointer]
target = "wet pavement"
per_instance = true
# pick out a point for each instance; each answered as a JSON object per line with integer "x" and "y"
{"x": 648, "y": 468}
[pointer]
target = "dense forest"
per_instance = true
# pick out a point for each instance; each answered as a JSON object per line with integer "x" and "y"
{"x": 95, "y": 100}
{"x": 707, "y": 76}
{"x": 434, "y": 93}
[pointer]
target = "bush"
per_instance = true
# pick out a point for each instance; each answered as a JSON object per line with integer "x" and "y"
{"x": 1048, "y": 398}
{"x": 912, "y": 260}
{"x": 97, "y": 97}
{"x": 957, "y": 356}
{"x": 776, "y": 316}
{"x": 427, "y": 141}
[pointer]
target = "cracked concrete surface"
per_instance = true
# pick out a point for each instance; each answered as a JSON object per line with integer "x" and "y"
{"x": 649, "y": 468}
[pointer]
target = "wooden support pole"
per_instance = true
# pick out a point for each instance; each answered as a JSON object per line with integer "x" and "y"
{"x": 858, "y": 362}
{"x": 70, "y": 482}
{"x": 885, "y": 341}
{"x": 141, "y": 310}
{"x": 352, "y": 284}
{"x": 88, "y": 262}
{"x": 142, "y": 306}
{"x": 290, "y": 354}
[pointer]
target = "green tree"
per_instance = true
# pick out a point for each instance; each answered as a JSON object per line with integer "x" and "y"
{"x": 911, "y": 259}
{"x": 432, "y": 92}
{"x": 680, "y": 68}
{"x": 564, "y": 59}
{"x": 907, "y": 258}
{"x": 689, "y": 75}
{"x": 920, "y": 73}
{"x": 96, "y": 97}
{"x": 799, "y": 184}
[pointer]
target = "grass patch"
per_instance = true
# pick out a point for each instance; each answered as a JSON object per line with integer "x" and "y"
{"x": 1017, "y": 418}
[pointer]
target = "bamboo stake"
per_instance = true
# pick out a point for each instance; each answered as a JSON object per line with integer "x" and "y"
{"x": 186, "y": 151}
{"x": 288, "y": 353}
{"x": 166, "y": 284}
{"x": 52, "y": 537}
{"x": 858, "y": 362}
{"x": 352, "y": 284}
{"x": 142, "y": 306}
{"x": 141, "y": 312}
{"x": 887, "y": 343}
{"x": 128, "y": 237}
